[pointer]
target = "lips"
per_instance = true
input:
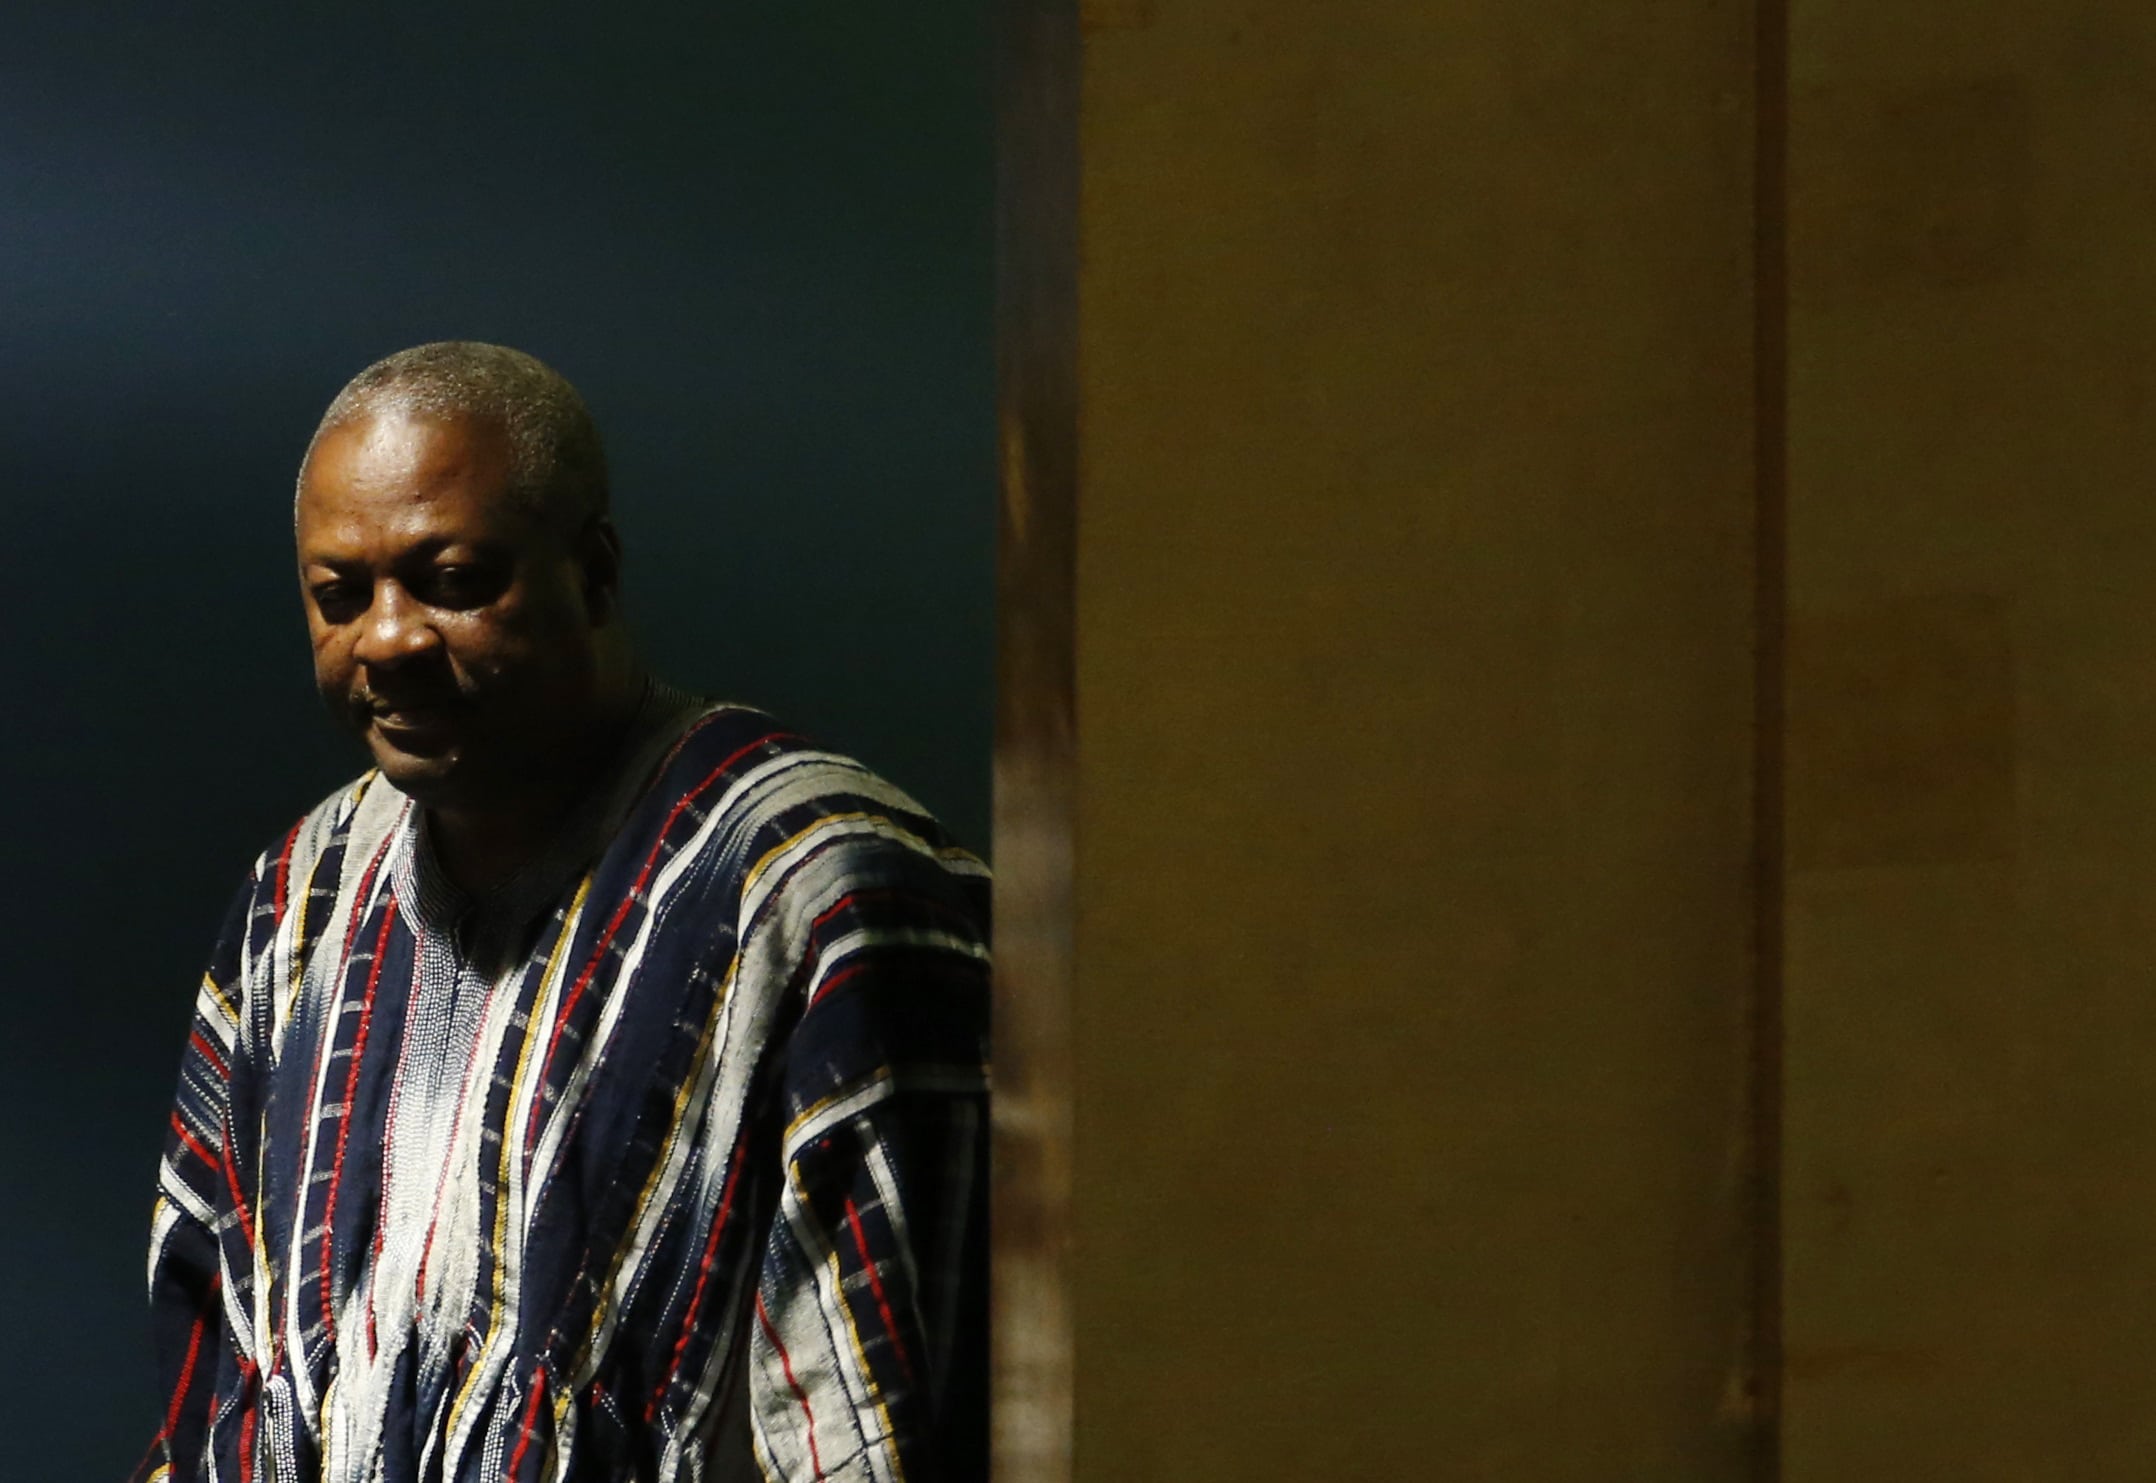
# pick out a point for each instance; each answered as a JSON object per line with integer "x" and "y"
{"x": 413, "y": 723}
{"x": 406, "y": 718}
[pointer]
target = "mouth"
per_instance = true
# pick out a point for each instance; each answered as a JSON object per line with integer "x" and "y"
{"x": 412, "y": 724}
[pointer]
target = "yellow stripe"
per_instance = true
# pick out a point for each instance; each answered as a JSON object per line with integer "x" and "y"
{"x": 549, "y": 978}
{"x": 564, "y": 1398}
{"x": 217, "y": 995}
{"x": 603, "y": 1297}
{"x": 952, "y": 852}
{"x": 853, "y": 1333}
{"x": 299, "y": 935}
{"x": 756, "y": 871}
{"x": 604, "y": 1294}
{"x": 810, "y": 1114}
{"x": 323, "y": 1412}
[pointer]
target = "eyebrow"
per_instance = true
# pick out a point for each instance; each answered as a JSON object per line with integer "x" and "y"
{"x": 423, "y": 550}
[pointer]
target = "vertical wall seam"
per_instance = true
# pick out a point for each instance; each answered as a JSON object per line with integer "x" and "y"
{"x": 1770, "y": 422}
{"x": 1032, "y": 1379}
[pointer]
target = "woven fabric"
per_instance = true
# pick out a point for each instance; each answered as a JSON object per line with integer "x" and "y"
{"x": 665, "y": 1161}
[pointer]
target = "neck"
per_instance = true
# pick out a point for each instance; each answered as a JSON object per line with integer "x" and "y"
{"x": 481, "y": 842}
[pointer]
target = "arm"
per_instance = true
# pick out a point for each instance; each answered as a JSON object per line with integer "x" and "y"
{"x": 868, "y": 1331}
{"x": 197, "y": 1246}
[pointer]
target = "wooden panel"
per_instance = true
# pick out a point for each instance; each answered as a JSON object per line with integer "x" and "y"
{"x": 1973, "y": 815}
{"x": 1415, "y": 657}
{"x": 1035, "y": 762}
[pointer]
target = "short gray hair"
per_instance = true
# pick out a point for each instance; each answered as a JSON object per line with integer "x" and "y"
{"x": 557, "y": 464}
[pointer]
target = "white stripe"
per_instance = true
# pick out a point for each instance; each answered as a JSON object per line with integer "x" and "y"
{"x": 494, "y": 1355}
{"x": 211, "y": 1014}
{"x": 861, "y": 939}
{"x": 698, "y": 1107}
{"x": 331, "y": 985}
{"x": 742, "y": 1282}
{"x": 174, "y": 1188}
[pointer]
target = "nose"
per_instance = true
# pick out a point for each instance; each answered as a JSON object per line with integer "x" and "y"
{"x": 394, "y": 629}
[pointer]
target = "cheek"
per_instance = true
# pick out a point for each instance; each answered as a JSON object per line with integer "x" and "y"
{"x": 483, "y": 653}
{"x": 332, "y": 663}
{"x": 512, "y": 638}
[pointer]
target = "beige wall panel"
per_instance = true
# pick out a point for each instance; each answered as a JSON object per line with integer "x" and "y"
{"x": 1971, "y": 1139}
{"x": 1413, "y": 711}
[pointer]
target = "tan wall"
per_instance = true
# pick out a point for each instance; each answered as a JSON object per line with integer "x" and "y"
{"x": 1971, "y": 1110}
{"x": 1413, "y": 692}
{"x": 1381, "y": 931}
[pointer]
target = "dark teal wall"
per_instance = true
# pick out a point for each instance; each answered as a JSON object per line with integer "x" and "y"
{"x": 758, "y": 241}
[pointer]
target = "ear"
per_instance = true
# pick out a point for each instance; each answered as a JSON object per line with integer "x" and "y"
{"x": 597, "y": 552}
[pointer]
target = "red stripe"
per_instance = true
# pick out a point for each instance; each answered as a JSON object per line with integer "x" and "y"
{"x": 194, "y": 1352}
{"x": 148, "y": 1465}
{"x": 815, "y": 953}
{"x": 703, "y": 1272}
{"x": 284, "y": 867}
{"x": 441, "y": 1183}
{"x": 381, "y": 1227}
{"x": 201, "y": 1043}
{"x": 834, "y": 981}
{"x": 929, "y": 905}
{"x": 232, "y": 1185}
{"x": 814, "y": 957}
{"x": 351, "y": 1089}
{"x": 875, "y": 1285}
{"x": 621, "y": 912}
{"x": 531, "y": 1414}
{"x": 787, "y": 1365}
{"x": 189, "y": 1139}
{"x": 248, "y": 1421}
{"x": 366, "y": 885}
{"x": 681, "y": 741}
{"x": 314, "y": 1069}
{"x": 843, "y": 902}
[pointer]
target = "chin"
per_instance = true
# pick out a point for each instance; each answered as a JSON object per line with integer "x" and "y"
{"x": 428, "y": 779}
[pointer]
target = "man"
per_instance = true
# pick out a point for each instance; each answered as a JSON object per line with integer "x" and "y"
{"x": 593, "y": 1089}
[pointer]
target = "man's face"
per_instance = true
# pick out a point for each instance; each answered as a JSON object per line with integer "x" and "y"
{"x": 452, "y": 631}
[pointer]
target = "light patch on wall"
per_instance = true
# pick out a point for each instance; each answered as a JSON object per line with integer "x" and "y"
{"x": 1901, "y": 733}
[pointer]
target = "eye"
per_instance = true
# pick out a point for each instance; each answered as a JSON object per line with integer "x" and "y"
{"x": 339, "y": 602}
{"x": 462, "y": 584}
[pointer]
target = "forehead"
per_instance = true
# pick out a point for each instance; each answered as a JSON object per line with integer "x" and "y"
{"x": 392, "y": 480}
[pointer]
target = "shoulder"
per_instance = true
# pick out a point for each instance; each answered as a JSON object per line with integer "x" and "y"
{"x": 300, "y": 871}
{"x": 752, "y": 768}
{"x": 772, "y": 795}
{"x": 350, "y": 822}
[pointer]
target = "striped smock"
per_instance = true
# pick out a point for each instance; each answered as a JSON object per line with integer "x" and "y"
{"x": 665, "y": 1160}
